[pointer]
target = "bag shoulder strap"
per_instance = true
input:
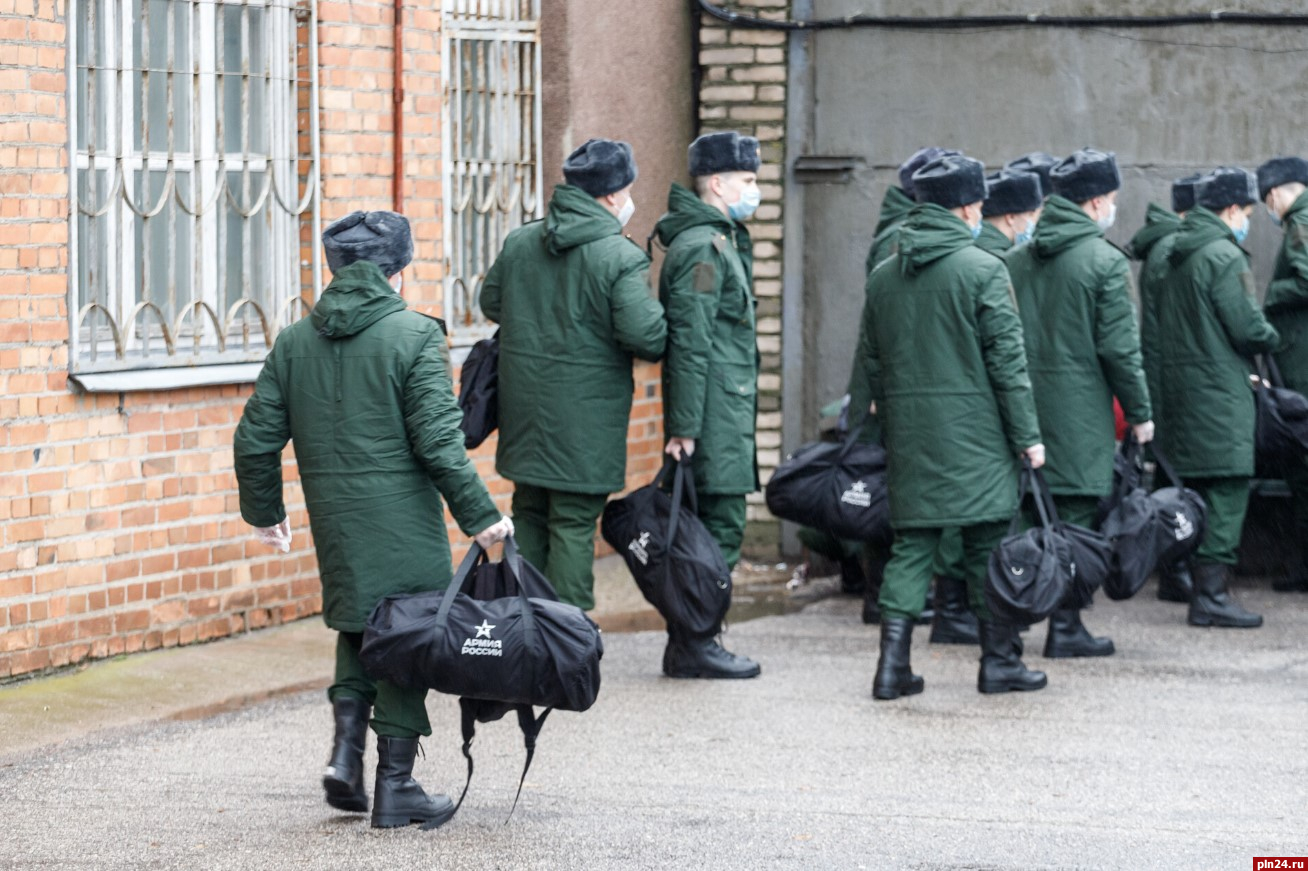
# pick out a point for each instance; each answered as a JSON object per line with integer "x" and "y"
{"x": 528, "y": 722}
{"x": 1161, "y": 459}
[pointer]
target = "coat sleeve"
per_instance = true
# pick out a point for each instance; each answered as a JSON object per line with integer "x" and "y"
{"x": 638, "y": 323}
{"x": 1237, "y": 310}
{"x": 264, "y": 430}
{"x": 490, "y": 298}
{"x": 692, "y": 291}
{"x": 861, "y": 389}
{"x": 1117, "y": 343}
{"x": 1292, "y": 291}
{"x": 431, "y": 419}
{"x": 1004, "y": 352}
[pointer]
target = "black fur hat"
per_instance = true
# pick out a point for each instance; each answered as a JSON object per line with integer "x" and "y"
{"x": 1227, "y": 186}
{"x": 1086, "y": 174}
{"x": 384, "y": 238}
{"x": 1183, "y": 192}
{"x": 727, "y": 151}
{"x": 600, "y": 167}
{"x": 951, "y": 182}
{"x": 1279, "y": 171}
{"x": 1008, "y": 193}
{"x": 920, "y": 158}
{"x": 1038, "y": 162}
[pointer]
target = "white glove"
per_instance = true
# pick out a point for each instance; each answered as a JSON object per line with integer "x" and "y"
{"x": 1036, "y": 454}
{"x": 679, "y": 447}
{"x": 497, "y": 531}
{"x": 277, "y": 537}
{"x": 1144, "y": 432}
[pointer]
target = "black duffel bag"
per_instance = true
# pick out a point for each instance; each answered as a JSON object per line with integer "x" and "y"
{"x": 1181, "y": 512}
{"x": 479, "y": 391}
{"x": 1030, "y": 573}
{"x": 1281, "y": 425}
{"x": 839, "y": 488}
{"x": 675, "y": 561}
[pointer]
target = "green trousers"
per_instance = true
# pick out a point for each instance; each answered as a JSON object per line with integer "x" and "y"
{"x": 555, "y": 532}
{"x": 724, "y": 518}
{"x": 949, "y": 562}
{"x": 1228, "y": 501}
{"x": 1297, "y": 480}
{"x": 396, "y": 712}
{"x": 913, "y": 558}
{"x": 1076, "y": 510}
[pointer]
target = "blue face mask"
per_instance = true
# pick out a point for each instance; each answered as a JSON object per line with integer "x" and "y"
{"x": 1025, "y": 236}
{"x": 1276, "y": 219}
{"x": 976, "y": 231}
{"x": 1241, "y": 232}
{"x": 743, "y": 208}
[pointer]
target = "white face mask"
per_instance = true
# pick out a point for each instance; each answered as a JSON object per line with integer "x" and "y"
{"x": 628, "y": 209}
{"x": 399, "y": 285}
{"x": 1106, "y": 221}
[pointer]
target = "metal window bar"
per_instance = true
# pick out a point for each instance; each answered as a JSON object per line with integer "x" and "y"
{"x": 492, "y": 144}
{"x": 156, "y": 185}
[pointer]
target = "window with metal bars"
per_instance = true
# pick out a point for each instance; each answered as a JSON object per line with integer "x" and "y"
{"x": 193, "y": 133}
{"x": 491, "y": 66}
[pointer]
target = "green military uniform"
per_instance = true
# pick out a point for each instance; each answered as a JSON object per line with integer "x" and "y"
{"x": 710, "y": 376}
{"x": 572, "y": 298}
{"x": 362, "y": 386}
{"x": 1209, "y": 326}
{"x": 1150, "y": 246}
{"x": 954, "y": 400}
{"x": 992, "y": 239}
{"x": 1083, "y": 348}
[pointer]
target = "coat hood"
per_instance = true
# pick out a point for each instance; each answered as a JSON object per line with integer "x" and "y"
{"x": 574, "y": 218}
{"x": 358, "y": 296}
{"x": 1159, "y": 224}
{"x": 685, "y": 211}
{"x": 929, "y": 233}
{"x": 1062, "y": 225}
{"x": 1200, "y": 227}
{"x": 894, "y": 208}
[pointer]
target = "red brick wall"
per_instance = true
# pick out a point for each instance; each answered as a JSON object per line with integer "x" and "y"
{"x": 119, "y": 521}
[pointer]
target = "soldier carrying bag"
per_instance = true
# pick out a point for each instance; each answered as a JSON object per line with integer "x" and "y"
{"x": 675, "y": 561}
{"x": 1281, "y": 424}
{"x": 839, "y": 488}
{"x": 498, "y": 638}
{"x": 1030, "y": 572}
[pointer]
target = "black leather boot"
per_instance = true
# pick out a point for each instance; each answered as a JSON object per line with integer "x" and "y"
{"x": 1212, "y": 604}
{"x": 703, "y": 657}
{"x": 895, "y": 676}
{"x": 398, "y": 800}
{"x": 853, "y": 581}
{"x": 1069, "y": 638}
{"x": 1002, "y": 670}
{"x": 1175, "y": 583}
{"x": 343, "y": 779}
{"x": 954, "y": 622}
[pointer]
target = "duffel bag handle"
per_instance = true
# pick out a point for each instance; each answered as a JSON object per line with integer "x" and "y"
{"x": 513, "y": 559}
{"x": 1161, "y": 459}
{"x": 851, "y": 438}
{"x": 476, "y": 554}
{"x": 1030, "y": 480}
{"x": 1273, "y": 371}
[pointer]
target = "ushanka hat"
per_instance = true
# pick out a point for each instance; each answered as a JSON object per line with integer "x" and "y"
{"x": 382, "y": 238}
{"x": 1038, "y": 162}
{"x": 600, "y": 167}
{"x": 727, "y": 151}
{"x": 1183, "y": 192}
{"x": 951, "y": 182}
{"x": 1227, "y": 186}
{"x": 920, "y": 158}
{"x": 1279, "y": 171}
{"x": 1086, "y": 174}
{"x": 1008, "y": 193}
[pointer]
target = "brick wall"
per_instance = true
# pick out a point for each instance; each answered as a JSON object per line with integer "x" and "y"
{"x": 743, "y": 87}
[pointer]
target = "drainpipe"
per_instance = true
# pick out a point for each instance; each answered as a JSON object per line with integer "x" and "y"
{"x": 397, "y": 98}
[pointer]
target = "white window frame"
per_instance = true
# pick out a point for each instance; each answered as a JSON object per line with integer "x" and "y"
{"x": 200, "y": 332}
{"x": 501, "y": 26}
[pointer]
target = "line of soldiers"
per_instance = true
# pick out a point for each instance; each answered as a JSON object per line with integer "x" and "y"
{"x": 998, "y": 323}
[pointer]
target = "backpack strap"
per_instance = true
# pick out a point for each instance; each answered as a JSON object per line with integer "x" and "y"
{"x": 528, "y": 722}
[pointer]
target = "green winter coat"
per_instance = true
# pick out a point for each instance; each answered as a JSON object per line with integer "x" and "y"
{"x": 710, "y": 376}
{"x": 992, "y": 239}
{"x": 1082, "y": 345}
{"x": 1150, "y": 246}
{"x": 942, "y": 345}
{"x": 894, "y": 209}
{"x": 362, "y": 386}
{"x": 1209, "y": 325}
{"x": 572, "y": 298}
{"x": 1286, "y": 304}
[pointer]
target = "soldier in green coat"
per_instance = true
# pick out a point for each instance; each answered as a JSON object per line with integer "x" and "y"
{"x": 573, "y": 301}
{"x": 1283, "y": 188}
{"x": 1083, "y": 348}
{"x": 1209, "y": 325}
{"x": 942, "y": 344}
{"x": 362, "y": 386}
{"x": 1150, "y": 245}
{"x": 710, "y": 377}
{"x": 1012, "y": 207}
{"x": 1039, "y": 163}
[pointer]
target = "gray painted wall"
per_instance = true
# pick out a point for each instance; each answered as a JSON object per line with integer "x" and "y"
{"x": 1166, "y": 110}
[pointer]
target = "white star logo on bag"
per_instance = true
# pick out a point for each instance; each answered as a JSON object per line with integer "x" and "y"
{"x": 484, "y": 630}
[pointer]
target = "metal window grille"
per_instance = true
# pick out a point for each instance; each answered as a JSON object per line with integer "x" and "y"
{"x": 194, "y": 135}
{"x": 491, "y": 66}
